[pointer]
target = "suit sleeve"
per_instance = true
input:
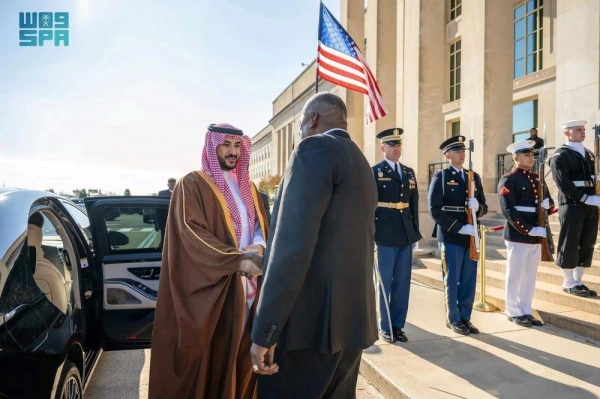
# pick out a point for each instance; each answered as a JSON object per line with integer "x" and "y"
{"x": 483, "y": 208}
{"x": 305, "y": 197}
{"x": 559, "y": 167}
{"x": 507, "y": 189}
{"x": 435, "y": 200}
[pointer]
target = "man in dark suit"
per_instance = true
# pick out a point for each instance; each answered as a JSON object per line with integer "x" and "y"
{"x": 448, "y": 206}
{"x": 539, "y": 142}
{"x": 397, "y": 229}
{"x": 317, "y": 303}
{"x": 167, "y": 193}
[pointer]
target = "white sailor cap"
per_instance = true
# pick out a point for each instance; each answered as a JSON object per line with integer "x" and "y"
{"x": 521, "y": 146}
{"x": 569, "y": 124}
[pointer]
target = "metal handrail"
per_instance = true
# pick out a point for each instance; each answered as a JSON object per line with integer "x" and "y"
{"x": 434, "y": 167}
{"x": 502, "y": 162}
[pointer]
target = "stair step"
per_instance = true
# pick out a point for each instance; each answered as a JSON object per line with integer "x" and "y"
{"x": 543, "y": 290}
{"x": 571, "y": 319}
{"x": 497, "y": 251}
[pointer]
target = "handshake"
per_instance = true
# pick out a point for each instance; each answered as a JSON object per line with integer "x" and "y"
{"x": 252, "y": 261}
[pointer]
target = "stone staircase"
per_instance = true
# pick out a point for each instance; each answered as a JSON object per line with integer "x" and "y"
{"x": 551, "y": 304}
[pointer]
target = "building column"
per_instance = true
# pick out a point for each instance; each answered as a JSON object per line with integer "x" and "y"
{"x": 577, "y": 65}
{"x": 352, "y": 18}
{"x": 420, "y": 92}
{"x": 420, "y": 84}
{"x": 380, "y": 51}
{"x": 486, "y": 76}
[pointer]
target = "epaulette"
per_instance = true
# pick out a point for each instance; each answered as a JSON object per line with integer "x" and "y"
{"x": 510, "y": 172}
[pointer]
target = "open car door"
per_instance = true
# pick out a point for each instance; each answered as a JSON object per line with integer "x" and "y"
{"x": 128, "y": 235}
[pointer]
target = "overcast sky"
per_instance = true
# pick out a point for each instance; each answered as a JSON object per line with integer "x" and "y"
{"x": 127, "y": 103}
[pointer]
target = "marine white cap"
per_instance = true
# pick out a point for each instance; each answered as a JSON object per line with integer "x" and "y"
{"x": 521, "y": 146}
{"x": 569, "y": 124}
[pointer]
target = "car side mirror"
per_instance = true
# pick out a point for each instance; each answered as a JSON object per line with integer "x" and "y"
{"x": 117, "y": 239}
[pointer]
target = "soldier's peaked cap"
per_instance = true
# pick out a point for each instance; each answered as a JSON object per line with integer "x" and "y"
{"x": 569, "y": 124}
{"x": 226, "y": 130}
{"x": 453, "y": 143}
{"x": 521, "y": 147}
{"x": 393, "y": 135}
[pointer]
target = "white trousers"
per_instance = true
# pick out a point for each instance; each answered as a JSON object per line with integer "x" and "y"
{"x": 521, "y": 271}
{"x": 572, "y": 277}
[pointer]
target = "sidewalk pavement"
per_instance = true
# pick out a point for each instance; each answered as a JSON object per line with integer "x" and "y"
{"x": 503, "y": 361}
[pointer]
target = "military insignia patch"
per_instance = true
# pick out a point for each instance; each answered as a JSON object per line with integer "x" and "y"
{"x": 504, "y": 190}
{"x": 380, "y": 174}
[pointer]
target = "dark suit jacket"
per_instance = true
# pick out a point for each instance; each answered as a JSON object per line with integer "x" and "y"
{"x": 447, "y": 188}
{"x": 318, "y": 291}
{"x": 164, "y": 193}
{"x": 265, "y": 200}
{"x": 396, "y": 228}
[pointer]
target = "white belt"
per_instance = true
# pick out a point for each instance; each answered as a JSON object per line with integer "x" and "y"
{"x": 583, "y": 183}
{"x": 526, "y": 209}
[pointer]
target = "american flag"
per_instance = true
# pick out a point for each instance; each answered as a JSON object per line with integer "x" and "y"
{"x": 340, "y": 61}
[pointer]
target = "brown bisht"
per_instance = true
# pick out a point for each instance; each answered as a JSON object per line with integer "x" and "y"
{"x": 200, "y": 347}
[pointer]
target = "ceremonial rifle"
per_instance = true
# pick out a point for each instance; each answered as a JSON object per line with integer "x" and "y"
{"x": 547, "y": 242}
{"x": 472, "y": 213}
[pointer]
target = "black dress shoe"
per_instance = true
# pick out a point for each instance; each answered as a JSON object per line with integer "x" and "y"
{"x": 592, "y": 292}
{"x": 472, "y": 329}
{"x": 387, "y": 337}
{"x": 458, "y": 327}
{"x": 534, "y": 321}
{"x": 522, "y": 321}
{"x": 399, "y": 334}
{"x": 578, "y": 291}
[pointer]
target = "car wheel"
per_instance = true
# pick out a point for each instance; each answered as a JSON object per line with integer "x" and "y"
{"x": 71, "y": 386}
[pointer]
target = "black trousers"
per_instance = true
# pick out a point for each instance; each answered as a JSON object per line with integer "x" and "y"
{"x": 578, "y": 232}
{"x": 306, "y": 374}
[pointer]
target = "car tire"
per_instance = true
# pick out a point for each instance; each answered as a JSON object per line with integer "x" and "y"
{"x": 70, "y": 386}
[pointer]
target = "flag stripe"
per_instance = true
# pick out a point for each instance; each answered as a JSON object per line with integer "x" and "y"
{"x": 342, "y": 69}
{"x": 339, "y": 82}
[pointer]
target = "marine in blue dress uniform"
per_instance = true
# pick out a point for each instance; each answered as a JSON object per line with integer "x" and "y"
{"x": 448, "y": 206}
{"x": 573, "y": 172}
{"x": 518, "y": 194}
{"x": 396, "y": 230}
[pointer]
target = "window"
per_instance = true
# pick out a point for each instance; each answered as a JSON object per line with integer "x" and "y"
{"x": 455, "y": 71}
{"x": 135, "y": 229}
{"x": 455, "y": 128}
{"x": 524, "y": 118}
{"x": 455, "y": 9}
{"x": 528, "y": 34}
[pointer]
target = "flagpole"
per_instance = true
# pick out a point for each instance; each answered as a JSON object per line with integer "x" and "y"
{"x": 318, "y": 40}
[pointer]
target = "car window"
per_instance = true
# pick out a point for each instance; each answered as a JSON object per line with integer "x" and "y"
{"x": 81, "y": 219}
{"x": 133, "y": 229}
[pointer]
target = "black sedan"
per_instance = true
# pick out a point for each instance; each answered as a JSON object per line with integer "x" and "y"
{"x": 72, "y": 286}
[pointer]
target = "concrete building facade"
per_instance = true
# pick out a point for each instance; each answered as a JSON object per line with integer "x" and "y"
{"x": 487, "y": 69}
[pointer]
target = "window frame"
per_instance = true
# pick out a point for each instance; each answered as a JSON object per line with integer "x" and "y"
{"x": 454, "y": 67}
{"x": 528, "y": 60}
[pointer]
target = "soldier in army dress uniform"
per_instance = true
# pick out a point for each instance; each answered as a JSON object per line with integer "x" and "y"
{"x": 518, "y": 195}
{"x": 448, "y": 206}
{"x": 573, "y": 172}
{"x": 396, "y": 230}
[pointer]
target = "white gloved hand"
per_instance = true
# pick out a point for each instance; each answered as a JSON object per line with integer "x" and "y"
{"x": 593, "y": 200}
{"x": 538, "y": 232}
{"x": 473, "y": 203}
{"x": 467, "y": 230}
{"x": 545, "y": 204}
